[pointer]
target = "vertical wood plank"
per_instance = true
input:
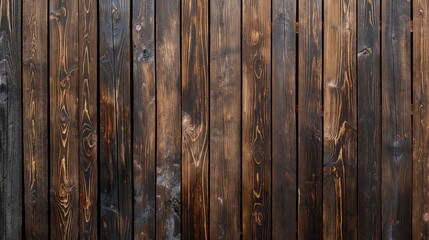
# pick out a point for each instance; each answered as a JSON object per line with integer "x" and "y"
{"x": 64, "y": 163}
{"x": 310, "y": 122}
{"x": 10, "y": 121}
{"x": 340, "y": 113}
{"x": 256, "y": 127}
{"x": 168, "y": 89}
{"x": 420, "y": 214}
{"x": 88, "y": 168}
{"x": 225, "y": 120}
{"x": 369, "y": 115}
{"x": 35, "y": 118}
{"x": 144, "y": 111}
{"x": 396, "y": 120}
{"x": 284, "y": 184}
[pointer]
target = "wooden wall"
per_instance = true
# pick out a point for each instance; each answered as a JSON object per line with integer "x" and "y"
{"x": 214, "y": 119}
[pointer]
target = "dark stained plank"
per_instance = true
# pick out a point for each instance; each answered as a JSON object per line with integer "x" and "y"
{"x": 225, "y": 120}
{"x": 88, "y": 162}
{"x": 340, "y": 121}
{"x": 284, "y": 185}
{"x": 195, "y": 119}
{"x": 10, "y": 121}
{"x": 144, "y": 111}
{"x": 116, "y": 193}
{"x": 35, "y": 118}
{"x": 310, "y": 126}
{"x": 396, "y": 120}
{"x": 256, "y": 125}
{"x": 369, "y": 116}
{"x": 168, "y": 142}
{"x": 420, "y": 212}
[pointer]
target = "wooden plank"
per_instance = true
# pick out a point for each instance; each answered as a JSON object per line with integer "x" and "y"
{"x": 369, "y": 113}
{"x": 340, "y": 116}
{"x": 420, "y": 214}
{"x": 115, "y": 120}
{"x": 195, "y": 119}
{"x": 256, "y": 126}
{"x": 168, "y": 89}
{"x": 144, "y": 111}
{"x": 310, "y": 120}
{"x": 284, "y": 185}
{"x": 10, "y": 121}
{"x": 225, "y": 120}
{"x": 88, "y": 168}
{"x": 396, "y": 120}
{"x": 35, "y": 118}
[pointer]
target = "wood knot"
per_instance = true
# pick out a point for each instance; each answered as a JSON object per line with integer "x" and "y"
{"x": 115, "y": 14}
{"x": 255, "y": 37}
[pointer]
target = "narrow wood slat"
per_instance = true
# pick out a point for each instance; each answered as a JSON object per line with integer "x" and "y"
{"x": 195, "y": 119}
{"x": 310, "y": 124}
{"x": 396, "y": 120}
{"x": 144, "y": 124}
{"x": 168, "y": 142}
{"x": 256, "y": 113}
{"x": 284, "y": 185}
{"x": 225, "y": 120}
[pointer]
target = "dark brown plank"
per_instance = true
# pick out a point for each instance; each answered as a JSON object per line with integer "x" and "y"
{"x": 225, "y": 120}
{"x": 168, "y": 151}
{"x": 88, "y": 162}
{"x": 256, "y": 126}
{"x": 396, "y": 120}
{"x": 284, "y": 186}
{"x": 340, "y": 116}
{"x": 369, "y": 112}
{"x": 144, "y": 111}
{"x": 310, "y": 125}
{"x": 64, "y": 164}
{"x": 10, "y": 121}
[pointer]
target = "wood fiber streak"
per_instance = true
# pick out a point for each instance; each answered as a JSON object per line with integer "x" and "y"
{"x": 256, "y": 126}
{"x": 10, "y": 121}
{"x": 225, "y": 120}
{"x": 144, "y": 125}
{"x": 35, "y": 118}
{"x": 340, "y": 115}
{"x": 396, "y": 120}
{"x": 168, "y": 142}
{"x": 64, "y": 159}
{"x": 88, "y": 168}
{"x": 310, "y": 122}
{"x": 284, "y": 185}
{"x": 195, "y": 119}
{"x": 369, "y": 117}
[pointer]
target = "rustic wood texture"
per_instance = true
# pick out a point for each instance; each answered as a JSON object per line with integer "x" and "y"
{"x": 369, "y": 117}
{"x": 195, "y": 119}
{"x": 284, "y": 184}
{"x": 340, "y": 113}
{"x": 168, "y": 142}
{"x": 144, "y": 115}
{"x": 225, "y": 120}
{"x": 256, "y": 125}
{"x": 396, "y": 119}
{"x": 35, "y": 118}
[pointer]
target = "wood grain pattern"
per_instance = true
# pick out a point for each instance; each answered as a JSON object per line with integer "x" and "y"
{"x": 144, "y": 115}
{"x": 168, "y": 152}
{"x": 369, "y": 118}
{"x": 256, "y": 125}
{"x": 396, "y": 120}
{"x": 35, "y": 118}
{"x": 310, "y": 125}
{"x": 225, "y": 120}
{"x": 88, "y": 122}
{"x": 340, "y": 115}
{"x": 284, "y": 185}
